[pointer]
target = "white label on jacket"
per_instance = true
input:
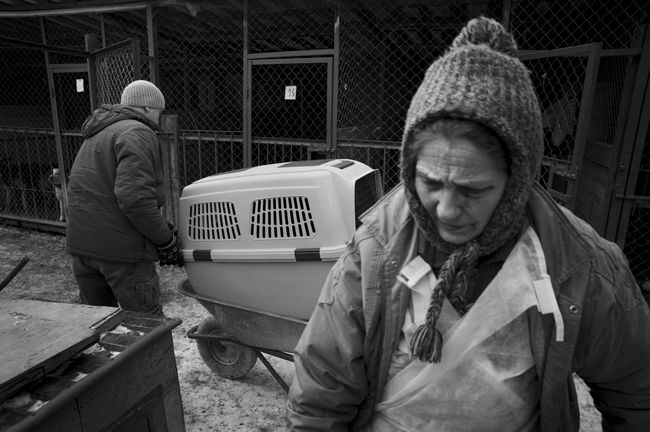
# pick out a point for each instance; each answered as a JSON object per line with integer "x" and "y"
{"x": 411, "y": 274}
{"x": 547, "y": 303}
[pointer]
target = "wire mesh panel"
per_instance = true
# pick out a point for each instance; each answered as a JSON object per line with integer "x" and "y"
{"x": 202, "y": 154}
{"x": 289, "y": 100}
{"x": 380, "y": 52}
{"x": 385, "y": 158}
{"x": 24, "y": 96}
{"x": 72, "y": 99}
{"x": 637, "y": 237}
{"x": 385, "y": 48}
{"x": 67, "y": 31}
{"x": 637, "y": 245}
{"x": 549, "y": 24}
{"x": 27, "y": 157}
{"x": 559, "y": 83}
{"x": 113, "y": 68}
{"x": 289, "y": 109}
{"x": 281, "y": 26}
{"x": 200, "y": 61}
{"x": 384, "y": 52}
{"x": 201, "y": 75}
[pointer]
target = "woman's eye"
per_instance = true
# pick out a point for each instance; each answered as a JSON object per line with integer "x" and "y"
{"x": 476, "y": 193}
{"x": 433, "y": 184}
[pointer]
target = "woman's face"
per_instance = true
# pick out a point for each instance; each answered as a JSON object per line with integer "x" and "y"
{"x": 460, "y": 185}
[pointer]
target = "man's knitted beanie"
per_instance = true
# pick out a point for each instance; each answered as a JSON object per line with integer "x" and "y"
{"x": 479, "y": 79}
{"x": 143, "y": 93}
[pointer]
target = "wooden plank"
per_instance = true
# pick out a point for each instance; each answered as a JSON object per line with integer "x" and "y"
{"x": 38, "y": 336}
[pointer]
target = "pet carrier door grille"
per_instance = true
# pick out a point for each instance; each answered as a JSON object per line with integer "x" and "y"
{"x": 213, "y": 221}
{"x": 282, "y": 218}
{"x": 366, "y": 193}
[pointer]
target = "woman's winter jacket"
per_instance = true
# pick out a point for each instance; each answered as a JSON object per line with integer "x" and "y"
{"x": 343, "y": 356}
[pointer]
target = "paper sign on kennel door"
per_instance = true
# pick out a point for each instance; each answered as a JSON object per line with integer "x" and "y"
{"x": 290, "y": 92}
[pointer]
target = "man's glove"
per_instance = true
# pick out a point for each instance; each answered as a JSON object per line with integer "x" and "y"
{"x": 170, "y": 253}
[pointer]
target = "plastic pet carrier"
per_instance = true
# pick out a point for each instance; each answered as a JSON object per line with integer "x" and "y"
{"x": 264, "y": 238}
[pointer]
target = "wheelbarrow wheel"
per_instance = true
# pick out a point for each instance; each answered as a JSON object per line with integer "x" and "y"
{"x": 227, "y": 359}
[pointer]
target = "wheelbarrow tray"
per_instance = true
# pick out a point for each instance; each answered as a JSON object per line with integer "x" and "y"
{"x": 250, "y": 327}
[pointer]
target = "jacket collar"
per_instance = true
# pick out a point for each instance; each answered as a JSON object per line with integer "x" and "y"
{"x": 564, "y": 246}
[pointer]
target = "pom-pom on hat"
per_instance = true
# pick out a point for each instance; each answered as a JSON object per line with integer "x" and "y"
{"x": 143, "y": 93}
{"x": 477, "y": 79}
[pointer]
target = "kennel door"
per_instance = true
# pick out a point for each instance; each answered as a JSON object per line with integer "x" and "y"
{"x": 289, "y": 109}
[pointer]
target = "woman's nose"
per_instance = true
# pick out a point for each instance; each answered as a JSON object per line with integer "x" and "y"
{"x": 448, "y": 207}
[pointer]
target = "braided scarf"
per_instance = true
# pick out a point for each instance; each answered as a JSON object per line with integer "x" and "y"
{"x": 456, "y": 276}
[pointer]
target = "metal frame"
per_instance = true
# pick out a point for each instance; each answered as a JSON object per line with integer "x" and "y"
{"x": 92, "y": 73}
{"x": 593, "y": 52}
{"x": 56, "y": 69}
{"x": 632, "y": 145}
{"x": 284, "y": 59}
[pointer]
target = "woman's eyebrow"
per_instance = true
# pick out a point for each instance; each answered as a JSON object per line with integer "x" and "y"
{"x": 420, "y": 169}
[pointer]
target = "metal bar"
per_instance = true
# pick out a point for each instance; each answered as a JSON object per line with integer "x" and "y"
{"x": 92, "y": 82}
{"x": 224, "y": 337}
{"x": 136, "y": 59}
{"x": 329, "y": 112}
{"x": 335, "y": 77}
{"x": 291, "y": 61}
{"x": 610, "y": 52}
{"x": 152, "y": 45}
{"x": 14, "y": 272}
{"x": 633, "y": 197}
{"x": 584, "y": 116}
{"x": 50, "y": 48}
{"x": 574, "y": 51}
{"x": 636, "y": 127}
{"x": 507, "y": 9}
{"x": 246, "y": 91}
{"x": 69, "y": 67}
{"x": 272, "y": 370}
{"x": 121, "y": 44}
{"x": 37, "y": 11}
{"x": 285, "y": 54}
{"x": 103, "y": 29}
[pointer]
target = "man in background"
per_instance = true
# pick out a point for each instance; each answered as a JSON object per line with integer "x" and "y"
{"x": 115, "y": 230}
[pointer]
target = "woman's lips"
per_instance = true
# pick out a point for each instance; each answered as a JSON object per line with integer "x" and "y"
{"x": 451, "y": 228}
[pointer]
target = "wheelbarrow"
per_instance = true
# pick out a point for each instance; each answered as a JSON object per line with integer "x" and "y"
{"x": 235, "y": 337}
{"x": 258, "y": 244}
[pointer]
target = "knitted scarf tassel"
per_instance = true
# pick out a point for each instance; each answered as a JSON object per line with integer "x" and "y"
{"x": 456, "y": 273}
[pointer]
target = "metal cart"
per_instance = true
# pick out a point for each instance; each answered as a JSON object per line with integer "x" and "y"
{"x": 231, "y": 341}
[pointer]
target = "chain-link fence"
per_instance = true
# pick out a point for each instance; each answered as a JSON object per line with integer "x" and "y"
{"x": 27, "y": 157}
{"x": 637, "y": 240}
{"x": 323, "y": 79}
{"x": 113, "y": 68}
{"x": 384, "y": 52}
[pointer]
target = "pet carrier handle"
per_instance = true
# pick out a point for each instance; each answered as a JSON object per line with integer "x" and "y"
{"x": 13, "y": 272}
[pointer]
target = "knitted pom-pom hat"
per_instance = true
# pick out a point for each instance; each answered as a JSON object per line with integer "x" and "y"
{"x": 143, "y": 93}
{"x": 478, "y": 79}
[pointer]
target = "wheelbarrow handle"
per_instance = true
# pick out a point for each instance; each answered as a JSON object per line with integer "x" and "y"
{"x": 13, "y": 272}
{"x": 192, "y": 333}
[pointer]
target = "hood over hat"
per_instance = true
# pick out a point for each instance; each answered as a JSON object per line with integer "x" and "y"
{"x": 478, "y": 79}
{"x": 106, "y": 115}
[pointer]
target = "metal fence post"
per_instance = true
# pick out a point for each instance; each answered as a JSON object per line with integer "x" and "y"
{"x": 169, "y": 151}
